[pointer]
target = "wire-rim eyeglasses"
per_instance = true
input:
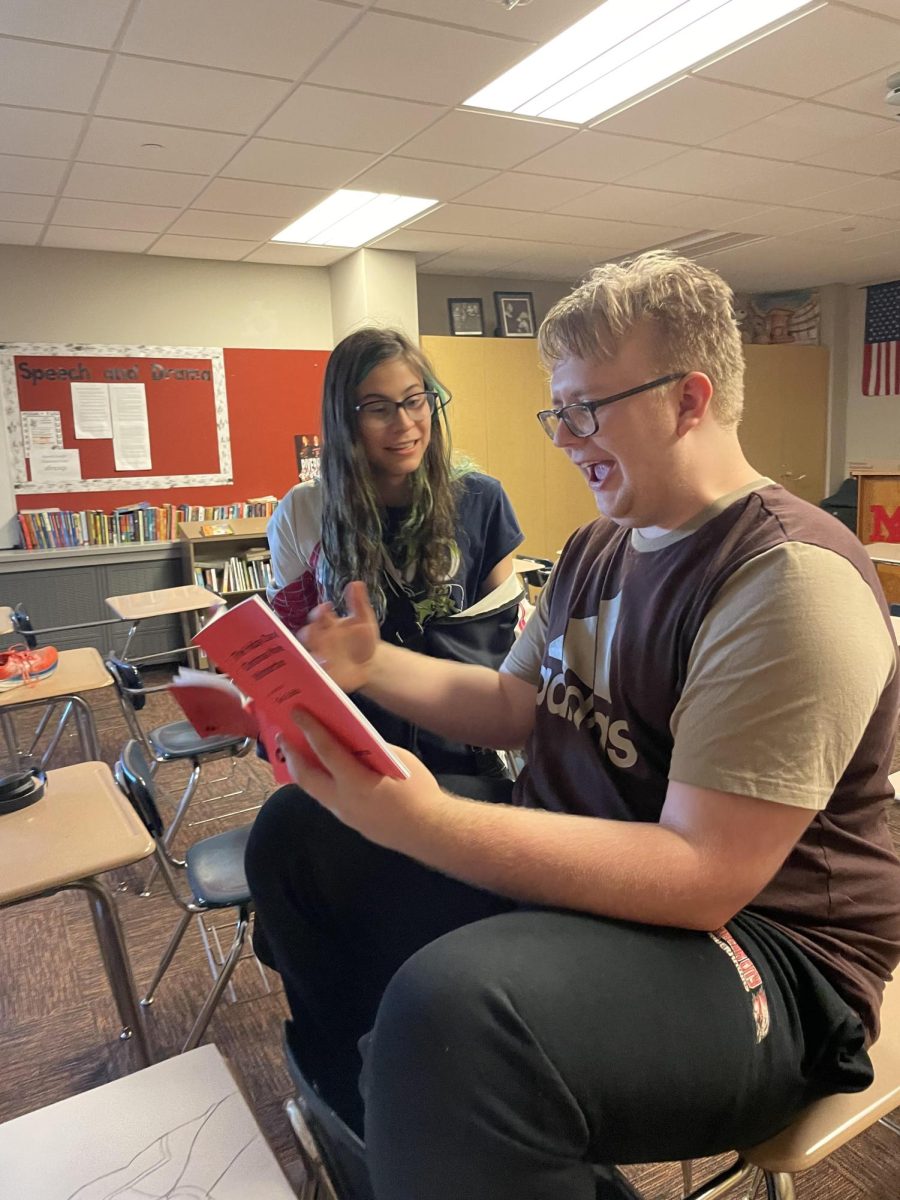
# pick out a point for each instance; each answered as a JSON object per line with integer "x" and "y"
{"x": 383, "y": 411}
{"x": 580, "y": 419}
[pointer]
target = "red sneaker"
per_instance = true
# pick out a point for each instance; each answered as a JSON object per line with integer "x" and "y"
{"x": 20, "y": 665}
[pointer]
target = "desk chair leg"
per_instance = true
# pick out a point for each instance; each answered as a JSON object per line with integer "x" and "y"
{"x": 237, "y": 945}
{"x": 115, "y": 959}
{"x": 169, "y": 836}
{"x": 726, "y": 1181}
{"x": 889, "y": 1124}
{"x": 687, "y": 1176}
{"x": 780, "y": 1186}
{"x": 12, "y": 741}
{"x": 168, "y": 955}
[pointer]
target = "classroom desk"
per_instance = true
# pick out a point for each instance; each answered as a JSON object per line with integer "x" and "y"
{"x": 77, "y": 672}
{"x": 165, "y": 602}
{"x": 179, "y": 1128}
{"x": 6, "y": 625}
{"x": 884, "y": 552}
{"x": 80, "y": 828}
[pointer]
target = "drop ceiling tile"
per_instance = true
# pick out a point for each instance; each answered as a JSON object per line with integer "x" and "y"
{"x": 617, "y": 203}
{"x": 268, "y": 37}
{"x": 877, "y": 154}
{"x": 415, "y": 60}
{"x": 616, "y": 235}
{"x": 537, "y": 193}
{"x": 299, "y": 256}
{"x": 468, "y": 262}
{"x": 887, "y": 8}
{"x": 157, "y": 147}
{"x": 811, "y": 133}
{"x": 288, "y": 162}
{"x": 140, "y": 89}
{"x": 539, "y": 22}
{"x": 129, "y": 185}
{"x": 692, "y": 111}
{"x": 563, "y": 262}
{"x": 19, "y": 233}
{"x": 259, "y": 199}
{"x": 32, "y": 73}
{"x": 599, "y": 157}
{"x": 830, "y": 43}
{"x": 414, "y": 177}
{"x": 87, "y": 23}
{"x": 41, "y": 176}
{"x": 782, "y": 221}
{"x": 24, "y": 130}
{"x": 484, "y": 140}
{"x": 864, "y": 95}
{"x": 868, "y": 195}
{"x": 881, "y": 243}
{"x": 468, "y": 219}
{"x": 104, "y": 214}
{"x": 709, "y": 212}
{"x": 175, "y": 246}
{"x": 123, "y": 240}
{"x": 420, "y": 241}
{"x": 350, "y": 120}
{"x": 199, "y": 223}
{"x": 846, "y": 230}
{"x": 17, "y": 206}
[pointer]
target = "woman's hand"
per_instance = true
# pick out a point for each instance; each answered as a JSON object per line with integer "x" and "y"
{"x": 381, "y": 809}
{"x": 344, "y": 646}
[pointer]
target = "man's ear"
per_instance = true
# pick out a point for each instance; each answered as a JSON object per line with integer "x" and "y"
{"x": 694, "y": 397}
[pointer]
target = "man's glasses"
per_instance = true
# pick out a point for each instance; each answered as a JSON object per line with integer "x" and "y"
{"x": 580, "y": 419}
{"x": 417, "y": 406}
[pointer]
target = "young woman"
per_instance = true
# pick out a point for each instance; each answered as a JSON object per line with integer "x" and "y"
{"x": 427, "y": 534}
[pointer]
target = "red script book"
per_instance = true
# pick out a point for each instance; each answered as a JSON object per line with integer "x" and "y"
{"x": 277, "y": 675}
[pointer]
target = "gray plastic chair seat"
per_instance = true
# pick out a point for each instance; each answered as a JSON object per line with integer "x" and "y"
{"x": 215, "y": 869}
{"x": 178, "y": 739}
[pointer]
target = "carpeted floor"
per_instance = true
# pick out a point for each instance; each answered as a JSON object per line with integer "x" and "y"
{"x": 58, "y": 1026}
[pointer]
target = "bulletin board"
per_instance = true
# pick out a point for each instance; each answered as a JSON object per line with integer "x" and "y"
{"x": 186, "y": 413}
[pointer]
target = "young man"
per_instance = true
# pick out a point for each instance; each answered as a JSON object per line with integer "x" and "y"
{"x": 672, "y": 932}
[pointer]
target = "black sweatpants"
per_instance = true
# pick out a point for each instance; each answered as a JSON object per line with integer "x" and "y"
{"x": 515, "y": 1052}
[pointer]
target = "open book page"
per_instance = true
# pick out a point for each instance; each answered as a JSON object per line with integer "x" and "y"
{"x": 267, "y": 663}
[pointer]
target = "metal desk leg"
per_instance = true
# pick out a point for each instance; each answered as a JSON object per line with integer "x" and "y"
{"x": 131, "y": 632}
{"x": 11, "y": 739}
{"x": 115, "y": 959}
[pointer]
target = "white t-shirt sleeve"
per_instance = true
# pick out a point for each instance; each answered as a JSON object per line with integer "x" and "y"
{"x": 293, "y": 531}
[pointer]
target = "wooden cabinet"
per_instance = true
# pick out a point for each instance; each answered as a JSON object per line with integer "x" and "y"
{"x": 235, "y": 565}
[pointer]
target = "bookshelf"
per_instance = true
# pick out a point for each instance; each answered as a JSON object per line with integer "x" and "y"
{"x": 234, "y": 564}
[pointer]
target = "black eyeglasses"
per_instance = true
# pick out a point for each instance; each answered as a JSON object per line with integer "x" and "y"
{"x": 382, "y": 412}
{"x": 580, "y": 419}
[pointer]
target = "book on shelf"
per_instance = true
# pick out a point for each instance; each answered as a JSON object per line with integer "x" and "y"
{"x": 270, "y": 675}
{"x": 247, "y": 572}
{"x": 54, "y": 528}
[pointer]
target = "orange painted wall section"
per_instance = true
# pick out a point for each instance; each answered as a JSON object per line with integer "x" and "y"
{"x": 272, "y": 395}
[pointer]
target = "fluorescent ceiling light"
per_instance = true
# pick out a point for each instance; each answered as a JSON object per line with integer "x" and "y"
{"x": 350, "y": 218}
{"x": 623, "y": 49}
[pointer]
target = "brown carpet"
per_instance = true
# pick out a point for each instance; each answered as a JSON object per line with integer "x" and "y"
{"x": 58, "y": 1025}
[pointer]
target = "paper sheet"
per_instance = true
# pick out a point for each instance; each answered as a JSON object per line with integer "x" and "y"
{"x": 54, "y": 466}
{"x": 131, "y": 431}
{"x": 41, "y": 429}
{"x": 90, "y": 408}
{"x": 179, "y": 1128}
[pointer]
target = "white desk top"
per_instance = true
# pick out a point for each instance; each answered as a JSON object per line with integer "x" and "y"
{"x": 886, "y": 552}
{"x": 136, "y": 606}
{"x": 77, "y": 671}
{"x": 81, "y": 826}
{"x": 6, "y": 625}
{"x": 178, "y": 1128}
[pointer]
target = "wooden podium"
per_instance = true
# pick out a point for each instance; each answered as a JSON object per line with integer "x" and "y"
{"x": 878, "y": 518}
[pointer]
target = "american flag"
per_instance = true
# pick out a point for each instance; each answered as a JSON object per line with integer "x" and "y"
{"x": 881, "y": 355}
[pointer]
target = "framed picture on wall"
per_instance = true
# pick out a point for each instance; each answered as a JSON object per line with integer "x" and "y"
{"x": 466, "y": 316}
{"x": 515, "y": 314}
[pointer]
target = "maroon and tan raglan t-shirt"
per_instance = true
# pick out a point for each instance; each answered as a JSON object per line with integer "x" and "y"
{"x": 749, "y": 652}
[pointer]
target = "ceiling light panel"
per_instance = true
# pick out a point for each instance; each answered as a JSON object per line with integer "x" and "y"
{"x": 352, "y": 218}
{"x": 640, "y": 46}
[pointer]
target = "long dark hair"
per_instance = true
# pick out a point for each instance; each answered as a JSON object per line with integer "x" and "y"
{"x": 352, "y": 532}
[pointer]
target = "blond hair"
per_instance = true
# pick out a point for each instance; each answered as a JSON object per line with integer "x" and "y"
{"x": 689, "y": 308}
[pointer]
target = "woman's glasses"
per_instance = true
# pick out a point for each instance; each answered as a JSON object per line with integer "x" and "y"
{"x": 580, "y": 419}
{"x": 417, "y": 406}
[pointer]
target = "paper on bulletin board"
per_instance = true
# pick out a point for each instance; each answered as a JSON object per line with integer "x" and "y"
{"x": 90, "y": 408}
{"x": 54, "y": 466}
{"x": 131, "y": 430}
{"x": 41, "y": 430}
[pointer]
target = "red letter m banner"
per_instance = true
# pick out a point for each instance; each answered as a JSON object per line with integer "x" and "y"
{"x": 885, "y": 528}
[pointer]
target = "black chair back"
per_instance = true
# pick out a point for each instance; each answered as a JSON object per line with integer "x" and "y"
{"x": 21, "y": 622}
{"x": 128, "y": 681}
{"x": 134, "y": 777}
